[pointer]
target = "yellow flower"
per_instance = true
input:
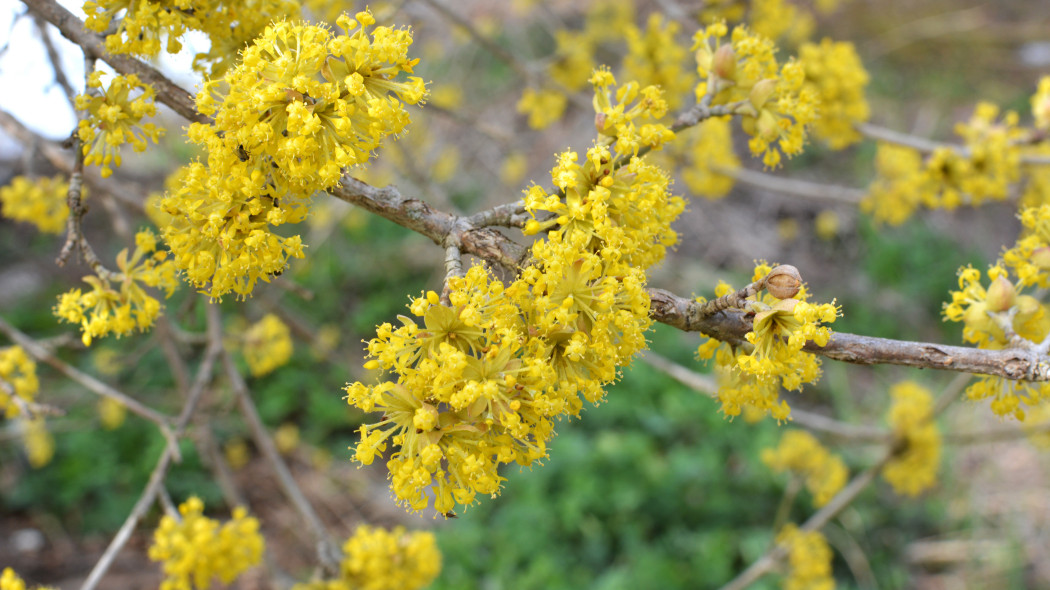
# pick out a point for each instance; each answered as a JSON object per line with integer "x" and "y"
{"x": 809, "y": 559}
{"x": 17, "y": 371}
{"x": 114, "y": 118}
{"x": 40, "y": 201}
{"x": 107, "y": 309}
{"x": 267, "y": 345}
{"x": 378, "y": 559}
{"x": 709, "y": 154}
{"x": 196, "y": 549}
{"x": 543, "y": 107}
{"x": 774, "y": 104}
{"x": 823, "y": 472}
{"x": 39, "y": 444}
{"x": 302, "y": 106}
{"x": 837, "y": 76}
{"x": 914, "y": 468}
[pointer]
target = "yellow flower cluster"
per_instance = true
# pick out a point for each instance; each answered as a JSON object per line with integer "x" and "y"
{"x": 197, "y": 549}
{"x": 9, "y": 580}
{"x": 1029, "y": 258}
{"x": 111, "y": 413}
{"x": 482, "y": 380}
{"x": 616, "y": 115}
{"x": 752, "y": 375}
{"x": 655, "y": 58}
{"x": 267, "y": 345}
{"x": 949, "y": 177}
{"x": 809, "y": 559}
{"x": 1041, "y": 105}
{"x": 39, "y": 444}
{"x": 837, "y": 76}
{"x": 18, "y": 371}
{"x": 773, "y": 101}
{"x": 229, "y": 25}
{"x": 120, "y": 309}
{"x": 542, "y": 106}
{"x": 801, "y": 453}
{"x": 1001, "y": 315}
{"x": 40, "y": 201}
{"x": 573, "y": 60}
{"x": 708, "y": 155}
{"x": 378, "y": 559}
{"x": 303, "y": 105}
{"x": 913, "y": 468}
{"x": 115, "y": 118}
{"x": 896, "y": 191}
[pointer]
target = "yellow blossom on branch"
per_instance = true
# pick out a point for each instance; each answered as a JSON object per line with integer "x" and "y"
{"x": 115, "y": 118}
{"x": 267, "y": 345}
{"x": 194, "y": 550}
{"x": 837, "y": 75}
{"x": 40, "y": 201}
{"x": 18, "y": 372}
{"x": 752, "y": 375}
{"x": 381, "y": 559}
{"x": 800, "y": 452}
{"x": 913, "y": 468}
{"x": 743, "y": 74}
{"x": 117, "y": 302}
{"x": 808, "y": 559}
{"x": 303, "y": 105}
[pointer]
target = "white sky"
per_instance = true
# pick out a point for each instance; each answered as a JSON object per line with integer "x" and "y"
{"x": 27, "y": 82}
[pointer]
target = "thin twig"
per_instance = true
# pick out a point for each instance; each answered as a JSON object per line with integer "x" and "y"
{"x": 815, "y": 522}
{"x": 156, "y": 480}
{"x": 327, "y": 554}
{"x": 41, "y": 354}
{"x": 56, "y": 62}
{"x": 926, "y": 146}
{"x": 825, "y": 193}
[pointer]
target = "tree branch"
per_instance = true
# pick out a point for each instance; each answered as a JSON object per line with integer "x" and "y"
{"x": 94, "y": 45}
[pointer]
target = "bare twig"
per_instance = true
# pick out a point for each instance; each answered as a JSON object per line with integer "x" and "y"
{"x": 327, "y": 553}
{"x": 170, "y": 453}
{"x": 815, "y": 522}
{"x": 41, "y": 354}
{"x": 56, "y": 63}
{"x": 815, "y": 191}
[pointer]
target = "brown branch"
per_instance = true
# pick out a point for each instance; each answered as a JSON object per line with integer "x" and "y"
{"x": 327, "y": 553}
{"x": 441, "y": 227}
{"x": 170, "y": 454}
{"x": 41, "y": 354}
{"x": 731, "y": 326}
{"x": 815, "y": 522}
{"x": 94, "y": 45}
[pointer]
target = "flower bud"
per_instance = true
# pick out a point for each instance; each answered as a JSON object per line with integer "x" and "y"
{"x": 1001, "y": 295}
{"x": 1027, "y": 308}
{"x": 762, "y": 91}
{"x": 1041, "y": 257}
{"x": 768, "y": 125}
{"x": 783, "y": 282}
{"x": 724, "y": 64}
